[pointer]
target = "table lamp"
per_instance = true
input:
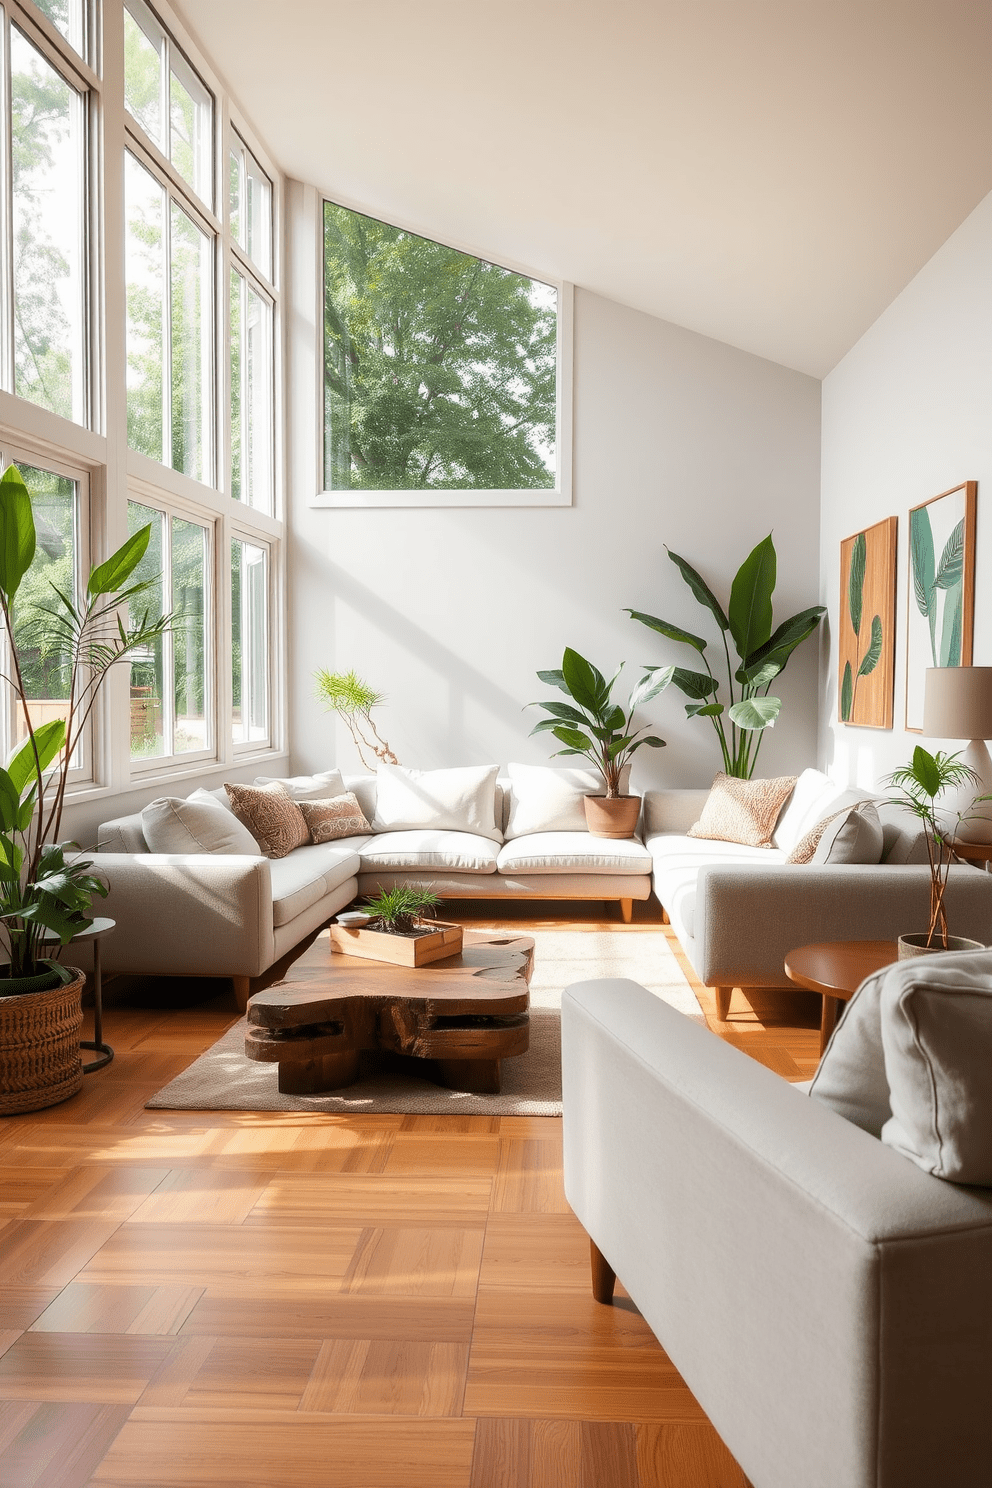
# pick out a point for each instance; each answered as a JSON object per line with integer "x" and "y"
{"x": 957, "y": 704}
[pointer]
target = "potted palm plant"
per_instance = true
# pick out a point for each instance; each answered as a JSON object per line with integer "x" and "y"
{"x": 45, "y": 891}
{"x": 920, "y": 785}
{"x": 594, "y": 726}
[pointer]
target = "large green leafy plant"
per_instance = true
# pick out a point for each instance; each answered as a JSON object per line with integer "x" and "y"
{"x": 919, "y": 786}
{"x": 42, "y": 892}
{"x": 594, "y": 725}
{"x": 762, "y": 654}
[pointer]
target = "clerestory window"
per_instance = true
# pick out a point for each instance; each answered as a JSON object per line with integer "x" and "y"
{"x": 442, "y": 373}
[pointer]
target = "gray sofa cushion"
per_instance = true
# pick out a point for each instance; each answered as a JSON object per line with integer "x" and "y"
{"x": 851, "y": 1077}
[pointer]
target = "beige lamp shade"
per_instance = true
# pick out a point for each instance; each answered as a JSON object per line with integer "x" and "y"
{"x": 957, "y": 703}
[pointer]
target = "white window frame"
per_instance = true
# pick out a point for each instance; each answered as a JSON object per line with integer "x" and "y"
{"x": 248, "y": 747}
{"x": 19, "y": 452}
{"x": 185, "y": 511}
{"x": 559, "y": 495}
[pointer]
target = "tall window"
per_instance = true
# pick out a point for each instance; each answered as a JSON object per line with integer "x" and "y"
{"x": 69, "y": 19}
{"x": 171, "y": 681}
{"x": 250, "y": 721}
{"x": 45, "y": 324}
{"x": 57, "y": 502}
{"x": 166, "y": 97}
{"x": 250, "y": 206}
{"x": 439, "y": 368}
{"x": 252, "y": 363}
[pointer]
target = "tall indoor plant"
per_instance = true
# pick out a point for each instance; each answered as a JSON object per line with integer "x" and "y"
{"x": 42, "y": 891}
{"x": 919, "y": 786}
{"x": 762, "y": 653}
{"x": 594, "y": 726}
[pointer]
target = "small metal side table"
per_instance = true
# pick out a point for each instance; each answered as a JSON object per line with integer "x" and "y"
{"x": 106, "y": 1053}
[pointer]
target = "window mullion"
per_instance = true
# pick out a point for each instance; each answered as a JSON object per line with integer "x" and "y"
{"x": 168, "y": 649}
{"x": 7, "y": 212}
{"x": 167, "y": 330}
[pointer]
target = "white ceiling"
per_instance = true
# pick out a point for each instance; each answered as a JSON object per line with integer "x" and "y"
{"x": 768, "y": 172}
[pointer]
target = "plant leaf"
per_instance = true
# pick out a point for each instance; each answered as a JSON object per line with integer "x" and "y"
{"x": 566, "y": 711}
{"x": 755, "y": 713}
{"x": 553, "y": 679}
{"x": 787, "y": 636}
{"x": 950, "y": 630}
{"x": 694, "y": 684}
{"x": 856, "y": 581}
{"x": 871, "y": 657}
{"x": 760, "y": 674}
{"x": 666, "y": 628}
{"x": 703, "y": 710}
{"x": 951, "y": 566}
{"x": 574, "y": 738}
{"x": 846, "y": 694}
{"x": 585, "y": 682}
{"x": 701, "y": 590}
{"x": 926, "y": 771}
{"x": 751, "y": 599}
{"x": 17, "y": 535}
{"x": 921, "y": 551}
{"x": 10, "y": 800}
{"x": 49, "y": 739}
{"x": 112, "y": 575}
{"x": 655, "y": 680}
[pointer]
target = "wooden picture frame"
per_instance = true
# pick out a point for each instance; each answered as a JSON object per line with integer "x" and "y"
{"x": 940, "y": 611}
{"x": 866, "y": 659}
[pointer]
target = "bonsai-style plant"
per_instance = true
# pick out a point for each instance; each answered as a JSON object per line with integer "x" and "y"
{"x": 396, "y": 911}
{"x": 919, "y": 787}
{"x": 345, "y": 694}
{"x": 42, "y": 892}
{"x": 593, "y": 725}
{"x": 762, "y": 653}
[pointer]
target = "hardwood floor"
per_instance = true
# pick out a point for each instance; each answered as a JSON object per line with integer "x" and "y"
{"x": 262, "y": 1300}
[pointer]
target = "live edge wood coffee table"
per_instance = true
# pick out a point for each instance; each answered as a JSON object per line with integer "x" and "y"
{"x": 464, "y": 1013}
{"x": 836, "y": 969}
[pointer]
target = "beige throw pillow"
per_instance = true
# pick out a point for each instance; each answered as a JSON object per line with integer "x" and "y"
{"x": 743, "y": 811}
{"x": 851, "y": 1077}
{"x": 172, "y": 825}
{"x": 341, "y": 816}
{"x": 271, "y": 816}
{"x": 318, "y": 787}
{"x": 462, "y": 799}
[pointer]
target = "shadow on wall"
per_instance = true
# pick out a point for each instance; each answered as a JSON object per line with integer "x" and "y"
{"x": 463, "y": 681}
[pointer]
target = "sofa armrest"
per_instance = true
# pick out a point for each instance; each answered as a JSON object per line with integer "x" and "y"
{"x": 187, "y": 914}
{"x": 671, "y": 810}
{"x": 747, "y": 919}
{"x": 827, "y": 1302}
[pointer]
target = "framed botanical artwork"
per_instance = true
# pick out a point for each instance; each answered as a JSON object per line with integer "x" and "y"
{"x": 941, "y": 615}
{"x": 867, "y": 629}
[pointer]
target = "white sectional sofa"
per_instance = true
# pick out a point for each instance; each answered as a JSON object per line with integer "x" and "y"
{"x": 204, "y": 914}
{"x": 738, "y": 910}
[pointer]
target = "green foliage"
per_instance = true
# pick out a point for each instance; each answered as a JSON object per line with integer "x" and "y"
{"x": 439, "y": 368}
{"x": 39, "y": 889}
{"x": 919, "y": 786}
{"x": 761, "y": 651}
{"x": 346, "y": 694}
{"x": 867, "y": 663}
{"x": 931, "y": 577}
{"x": 593, "y": 725}
{"x": 398, "y": 909}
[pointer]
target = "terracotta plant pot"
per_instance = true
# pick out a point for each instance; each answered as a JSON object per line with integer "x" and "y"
{"x": 40, "y": 1063}
{"x": 615, "y": 816}
{"x": 916, "y": 945}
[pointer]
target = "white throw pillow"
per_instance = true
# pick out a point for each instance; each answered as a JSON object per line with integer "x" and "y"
{"x": 171, "y": 825}
{"x": 815, "y": 796}
{"x": 936, "y": 1016}
{"x": 458, "y": 800}
{"x": 220, "y": 796}
{"x": 544, "y": 798}
{"x": 851, "y": 1077}
{"x": 307, "y": 787}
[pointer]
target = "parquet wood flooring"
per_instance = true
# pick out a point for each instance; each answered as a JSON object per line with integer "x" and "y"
{"x": 259, "y": 1300}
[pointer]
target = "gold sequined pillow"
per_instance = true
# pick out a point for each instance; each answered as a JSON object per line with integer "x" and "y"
{"x": 337, "y": 816}
{"x": 272, "y": 817}
{"x": 743, "y": 811}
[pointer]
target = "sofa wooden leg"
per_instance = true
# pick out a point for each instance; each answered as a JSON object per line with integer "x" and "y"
{"x": 664, "y": 916}
{"x": 242, "y": 992}
{"x": 627, "y": 910}
{"x": 723, "y": 1002}
{"x": 604, "y": 1278}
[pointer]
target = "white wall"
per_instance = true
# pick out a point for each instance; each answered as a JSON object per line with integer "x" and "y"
{"x": 908, "y": 414}
{"x": 678, "y": 439}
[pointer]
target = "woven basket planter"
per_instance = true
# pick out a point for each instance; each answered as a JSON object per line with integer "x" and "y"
{"x": 40, "y": 1064}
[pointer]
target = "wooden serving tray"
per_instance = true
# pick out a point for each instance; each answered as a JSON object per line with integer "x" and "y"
{"x": 398, "y": 950}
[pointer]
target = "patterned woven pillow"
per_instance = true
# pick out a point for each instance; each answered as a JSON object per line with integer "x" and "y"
{"x": 271, "y": 816}
{"x": 337, "y": 816}
{"x": 743, "y": 811}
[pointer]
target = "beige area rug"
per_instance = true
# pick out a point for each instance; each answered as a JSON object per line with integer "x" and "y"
{"x": 222, "y": 1079}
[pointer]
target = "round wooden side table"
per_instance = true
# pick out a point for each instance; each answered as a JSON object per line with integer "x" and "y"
{"x": 836, "y": 969}
{"x": 96, "y": 930}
